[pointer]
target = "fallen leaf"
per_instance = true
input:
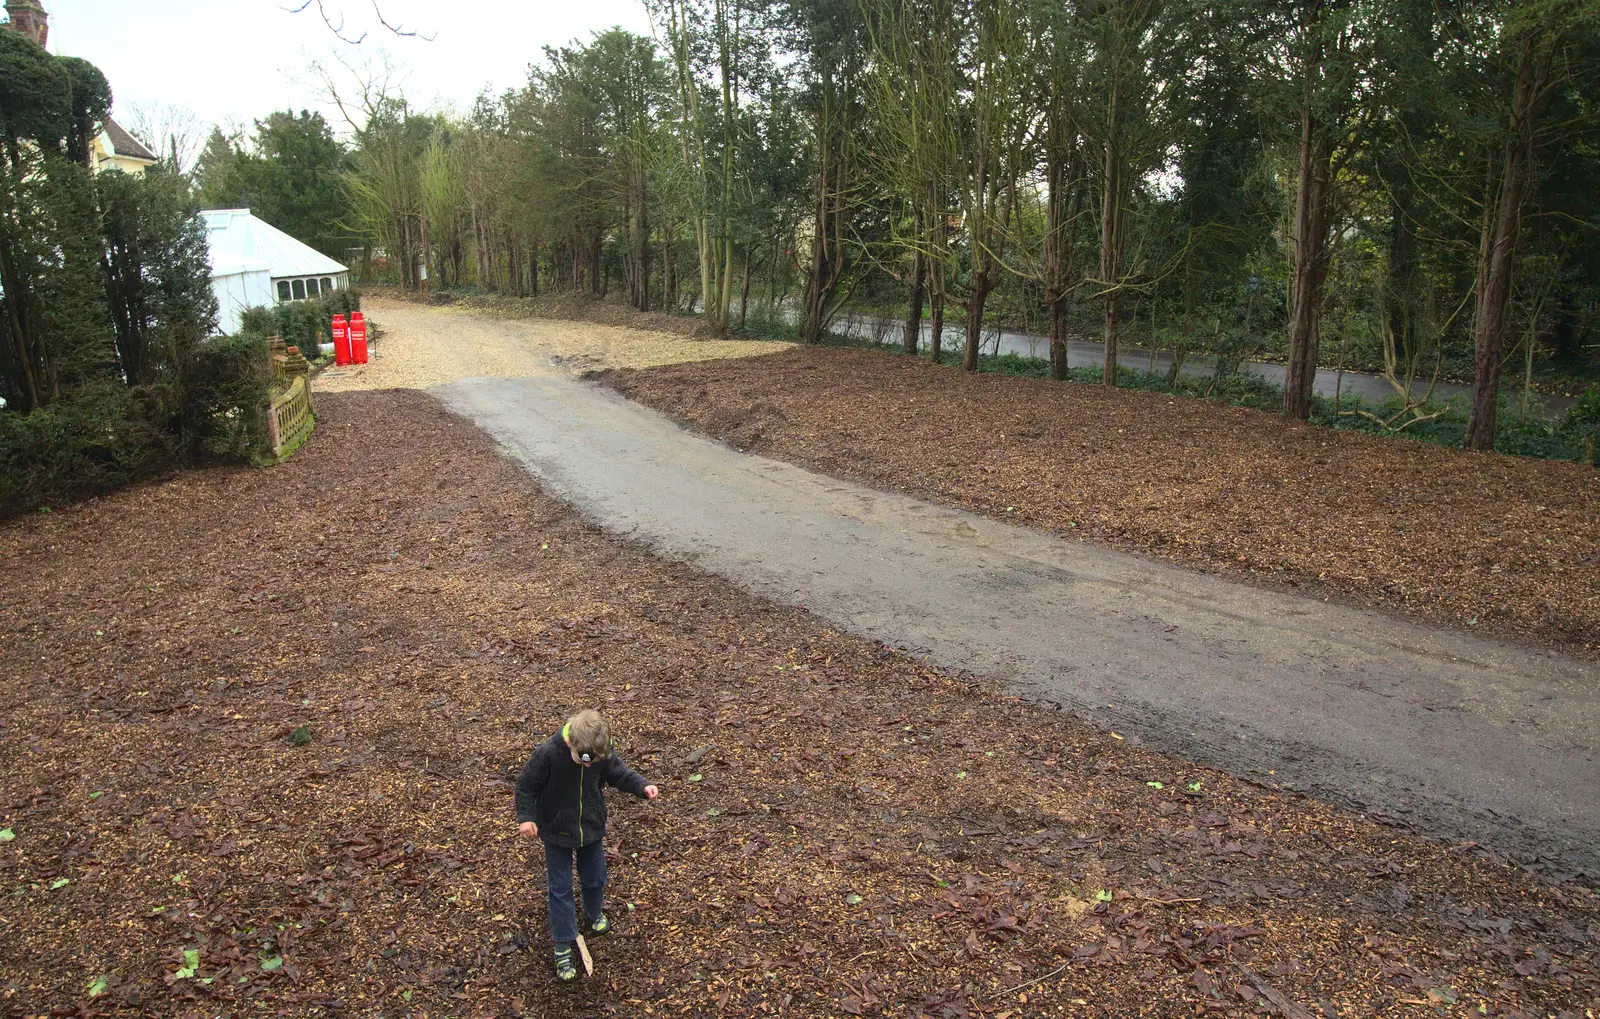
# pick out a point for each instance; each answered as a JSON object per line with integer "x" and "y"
{"x": 191, "y": 964}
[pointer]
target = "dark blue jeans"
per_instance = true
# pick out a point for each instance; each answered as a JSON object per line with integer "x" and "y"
{"x": 558, "y": 861}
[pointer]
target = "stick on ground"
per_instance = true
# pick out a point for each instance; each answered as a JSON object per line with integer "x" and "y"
{"x": 588, "y": 960}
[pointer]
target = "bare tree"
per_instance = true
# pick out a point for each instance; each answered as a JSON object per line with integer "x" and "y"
{"x": 359, "y": 90}
{"x": 172, "y": 130}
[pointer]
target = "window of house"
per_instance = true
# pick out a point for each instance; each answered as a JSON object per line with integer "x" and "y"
{"x": 311, "y": 287}
{"x": 299, "y": 290}
{"x": 327, "y": 285}
{"x": 283, "y": 290}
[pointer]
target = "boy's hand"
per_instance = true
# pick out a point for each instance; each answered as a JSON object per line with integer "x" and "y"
{"x": 651, "y": 792}
{"x": 528, "y": 830}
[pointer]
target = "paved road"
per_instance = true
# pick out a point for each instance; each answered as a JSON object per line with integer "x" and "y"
{"x": 1465, "y": 738}
{"x": 1375, "y": 389}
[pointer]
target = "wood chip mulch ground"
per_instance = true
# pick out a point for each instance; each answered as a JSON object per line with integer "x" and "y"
{"x": 1497, "y": 543}
{"x": 260, "y": 730}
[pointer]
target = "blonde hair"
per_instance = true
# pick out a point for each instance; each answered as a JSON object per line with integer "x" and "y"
{"x": 588, "y": 733}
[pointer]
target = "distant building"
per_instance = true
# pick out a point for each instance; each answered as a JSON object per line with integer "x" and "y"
{"x": 114, "y": 148}
{"x": 254, "y": 264}
{"x": 28, "y": 18}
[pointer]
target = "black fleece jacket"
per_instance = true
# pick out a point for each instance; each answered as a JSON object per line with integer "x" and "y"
{"x": 566, "y": 800}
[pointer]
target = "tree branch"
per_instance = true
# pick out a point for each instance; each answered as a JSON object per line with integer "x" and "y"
{"x": 338, "y": 29}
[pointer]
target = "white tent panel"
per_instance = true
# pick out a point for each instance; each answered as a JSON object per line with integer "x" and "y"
{"x": 237, "y": 236}
{"x": 248, "y": 288}
{"x": 254, "y": 264}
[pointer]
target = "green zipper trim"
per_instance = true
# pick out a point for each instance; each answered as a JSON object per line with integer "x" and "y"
{"x": 565, "y": 730}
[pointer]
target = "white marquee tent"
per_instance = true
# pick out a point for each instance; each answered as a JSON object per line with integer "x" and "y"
{"x": 254, "y": 264}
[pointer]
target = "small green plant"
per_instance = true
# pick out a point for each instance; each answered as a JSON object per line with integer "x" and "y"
{"x": 301, "y": 736}
{"x": 191, "y": 964}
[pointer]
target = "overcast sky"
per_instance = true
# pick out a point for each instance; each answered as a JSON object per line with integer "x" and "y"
{"x": 241, "y": 59}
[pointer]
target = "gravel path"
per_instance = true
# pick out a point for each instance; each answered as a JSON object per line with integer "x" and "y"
{"x": 1462, "y": 736}
{"x": 1494, "y": 543}
{"x": 426, "y": 346}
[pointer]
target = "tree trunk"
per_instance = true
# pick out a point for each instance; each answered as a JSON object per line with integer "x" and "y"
{"x": 638, "y": 249}
{"x": 402, "y": 254}
{"x": 1400, "y": 297}
{"x": 1312, "y": 193}
{"x": 1108, "y": 367}
{"x": 822, "y": 275}
{"x": 936, "y": 324}
{"x": 479, "y": 262}
{"x": 1111, "y": 256}
{"x": 975, "y": 302}
{"x": 1498, "y": 252}
{"x": 919, "y": 271}
{"x": 744, "y": 291}
{"x": 1060, "y": 211}
{"x": 669, "y": 278}
{"x": 772, "y": 277}
{"x": 643, "y": 200}
{"x": 28, "y": 356}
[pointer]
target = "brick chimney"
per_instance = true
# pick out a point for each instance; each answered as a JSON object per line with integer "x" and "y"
{"x": 28, "y": 17}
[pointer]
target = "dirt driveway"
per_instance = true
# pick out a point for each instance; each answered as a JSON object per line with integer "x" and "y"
{"x": 842, "y": 830}
{"x": 423, "y": 346}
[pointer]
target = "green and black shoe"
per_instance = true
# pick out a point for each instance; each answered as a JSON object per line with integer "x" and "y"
{"x": 600, "y": 926}
{"x": 565, "y": 969}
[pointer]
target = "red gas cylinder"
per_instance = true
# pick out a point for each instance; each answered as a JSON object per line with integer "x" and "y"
{"x": 341, "y": 341}
{"x": 358, "y": 338}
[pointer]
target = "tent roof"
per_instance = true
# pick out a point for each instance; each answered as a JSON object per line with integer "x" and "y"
{"x": 242, "y": 243}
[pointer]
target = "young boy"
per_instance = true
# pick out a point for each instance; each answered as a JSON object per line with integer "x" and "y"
{"x": 561, "y": 799}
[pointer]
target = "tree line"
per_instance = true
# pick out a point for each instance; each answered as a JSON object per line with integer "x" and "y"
{"x": 1417, "y": 180}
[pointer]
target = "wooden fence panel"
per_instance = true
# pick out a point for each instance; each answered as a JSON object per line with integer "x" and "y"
{"x": 291, "y": 419}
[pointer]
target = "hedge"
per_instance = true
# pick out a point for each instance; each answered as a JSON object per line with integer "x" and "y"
{"x": 108, "y": 434}
{"x": 302, "y": 324}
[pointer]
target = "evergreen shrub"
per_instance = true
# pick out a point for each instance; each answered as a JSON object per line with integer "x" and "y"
{"x": 302, "y": 324}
